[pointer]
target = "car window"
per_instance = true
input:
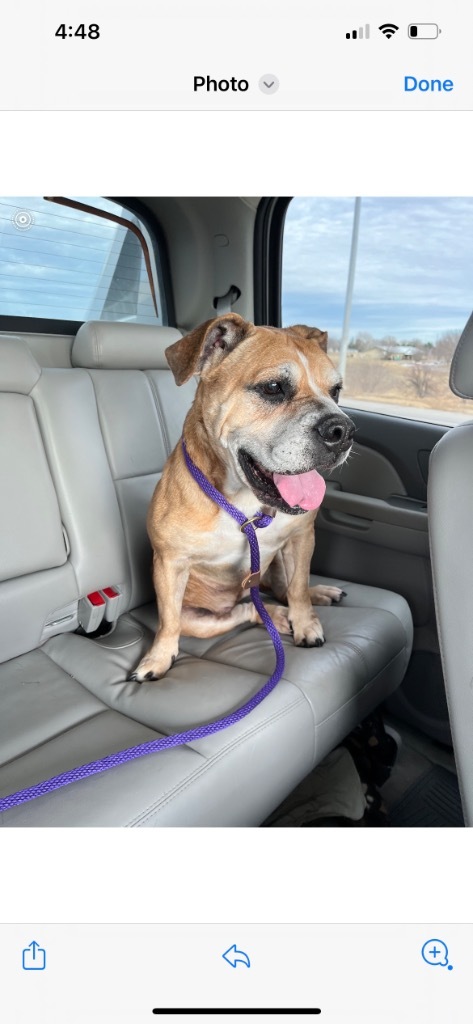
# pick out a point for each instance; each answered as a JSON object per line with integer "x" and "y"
{"x": 61, "y": 260}
{"x": 409, "y": 262}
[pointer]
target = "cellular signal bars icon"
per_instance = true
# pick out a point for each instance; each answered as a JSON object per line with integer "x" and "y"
{"x": 360, "y": 33}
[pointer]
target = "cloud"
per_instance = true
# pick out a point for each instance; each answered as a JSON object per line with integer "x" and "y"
{"x": 413, "y": 272}
{"x": 65, "y": 262}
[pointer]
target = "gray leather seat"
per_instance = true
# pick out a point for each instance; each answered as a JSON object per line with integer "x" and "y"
{"x": 450, "y": 502}
{"x": 91, "y": 444}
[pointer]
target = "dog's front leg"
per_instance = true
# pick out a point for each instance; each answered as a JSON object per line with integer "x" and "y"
{"x": 170, "y": 580}
{"x": 296, "y": 554}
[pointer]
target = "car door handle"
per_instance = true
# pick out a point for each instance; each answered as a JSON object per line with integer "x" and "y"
{"x": 359, "y": 510}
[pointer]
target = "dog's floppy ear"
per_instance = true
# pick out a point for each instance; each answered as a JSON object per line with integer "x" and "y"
{"x": 312, "y": 334}
{"x": 206, "y": 346}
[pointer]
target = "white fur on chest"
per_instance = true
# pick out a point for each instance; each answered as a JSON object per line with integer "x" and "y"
{"x": 230, "y": 546}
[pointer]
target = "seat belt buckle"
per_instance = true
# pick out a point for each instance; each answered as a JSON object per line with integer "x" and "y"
{"x": 113, "y": 598}
{"x": 91, "y": 611}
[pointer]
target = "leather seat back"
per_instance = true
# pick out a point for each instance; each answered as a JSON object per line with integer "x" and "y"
{"x": 61, "y": 535}
{"x": 141, "y": 413}
{"x": 450, "y": 503}
{"x": 37, "y": 582}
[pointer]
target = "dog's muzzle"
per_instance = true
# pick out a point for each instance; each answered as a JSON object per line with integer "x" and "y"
{"x": 336, "y": 432}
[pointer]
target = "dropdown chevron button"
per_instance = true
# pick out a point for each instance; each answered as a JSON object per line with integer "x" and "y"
{"x": 269, "y": 84}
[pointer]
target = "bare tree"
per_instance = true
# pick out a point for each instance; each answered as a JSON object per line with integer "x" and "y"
{"x": 389, "y": 344}
{"x": 363, "y": 342}
{"x": 421, "y": 379}
{"x": 423, "y": 349}
{"x": 367, "y": 378}
{"x": 446, "y": 345}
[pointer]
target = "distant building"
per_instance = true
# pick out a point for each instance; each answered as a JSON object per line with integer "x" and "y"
{"x": 377, "y": 352}
{"x": 400, "y": 353}
{"x": 393, "y": 353}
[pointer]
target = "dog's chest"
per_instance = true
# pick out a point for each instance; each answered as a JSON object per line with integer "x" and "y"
{"x": 229, "y": 547}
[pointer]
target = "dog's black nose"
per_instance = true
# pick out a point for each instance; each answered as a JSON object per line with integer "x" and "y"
{"x": 336, "y": 432}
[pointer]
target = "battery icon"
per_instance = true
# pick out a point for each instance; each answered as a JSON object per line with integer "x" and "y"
{"x": 424, "y": 31}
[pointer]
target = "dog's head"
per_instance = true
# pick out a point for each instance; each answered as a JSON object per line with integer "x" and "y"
{"x": 269, "y": 397}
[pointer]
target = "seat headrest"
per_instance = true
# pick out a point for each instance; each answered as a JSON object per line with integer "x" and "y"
{"x": 101, "y": 345}
{"x": 461, "y": 370}
{"x": 19, "y": 370}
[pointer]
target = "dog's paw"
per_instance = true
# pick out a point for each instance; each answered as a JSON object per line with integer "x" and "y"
{"x": 280, "y": 617}
{"x": 308, "y": 633}
{"x": 326, "y": 595}
{"x": 151, "y": 667}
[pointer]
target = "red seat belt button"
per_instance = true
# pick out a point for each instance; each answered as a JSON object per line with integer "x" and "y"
{"x": 113, "y": 598}
{"x": 91, "y": 611}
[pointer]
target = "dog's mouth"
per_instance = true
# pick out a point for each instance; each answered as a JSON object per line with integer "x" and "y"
{"x": 293, "y": 493}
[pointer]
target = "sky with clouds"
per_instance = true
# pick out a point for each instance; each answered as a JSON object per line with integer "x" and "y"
{"x": 70, "y": 264}
{"x": 414, "y": 271}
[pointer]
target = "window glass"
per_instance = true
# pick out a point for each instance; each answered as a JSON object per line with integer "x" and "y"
{"x": 411, "y": 263}
{"x": 62, "y": 263}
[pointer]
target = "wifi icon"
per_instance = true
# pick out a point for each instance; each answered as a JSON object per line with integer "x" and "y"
{"x": 388, "y": 30}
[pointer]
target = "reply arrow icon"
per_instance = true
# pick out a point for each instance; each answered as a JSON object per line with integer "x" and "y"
{"x": 235, "y": 956}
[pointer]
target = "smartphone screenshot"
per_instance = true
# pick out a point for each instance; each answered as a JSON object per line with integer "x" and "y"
{"x": 236, "y": 424}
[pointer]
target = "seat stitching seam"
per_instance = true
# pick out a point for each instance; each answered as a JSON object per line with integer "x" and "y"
{"x": 371, "y": 682}
{"x": 136, "y": 476}
{"x": 209, "y": 762}
{"x": 160, "y": 413}
{"x": 114, "y": 482}
{"x": 354, "y": 647}
{"x": 54, "y": 736}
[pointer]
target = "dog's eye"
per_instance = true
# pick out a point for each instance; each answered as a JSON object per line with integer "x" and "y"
{"x": 271, "y": 388}
{"x": 335, "y": 392}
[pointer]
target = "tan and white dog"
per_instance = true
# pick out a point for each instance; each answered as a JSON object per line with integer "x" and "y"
{"x": 263, "y": 426}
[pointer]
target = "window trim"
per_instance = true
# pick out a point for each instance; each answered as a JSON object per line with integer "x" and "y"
{"x": 160, "y": 253}
{"x": 47, "y": 325}
{"x": 267, "y": 259}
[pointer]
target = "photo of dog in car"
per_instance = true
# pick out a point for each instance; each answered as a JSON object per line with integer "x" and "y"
{"x": 218, "y": 610}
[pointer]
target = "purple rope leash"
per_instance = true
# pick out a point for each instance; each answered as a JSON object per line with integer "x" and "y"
{"x": 201, "y": 731}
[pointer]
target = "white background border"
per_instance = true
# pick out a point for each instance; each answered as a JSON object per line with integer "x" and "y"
{"x": 237, "y": 153}
{"x": 246, "y": 874}
{"x": 253, "y": 875}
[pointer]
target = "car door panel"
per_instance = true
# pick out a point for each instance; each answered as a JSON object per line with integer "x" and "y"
{"x": 373, "y": 528}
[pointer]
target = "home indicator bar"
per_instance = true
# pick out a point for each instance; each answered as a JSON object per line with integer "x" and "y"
{"x": 240, "y": 1010}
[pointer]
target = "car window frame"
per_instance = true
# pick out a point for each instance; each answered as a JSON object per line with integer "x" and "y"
{"x": 50, "y": 325}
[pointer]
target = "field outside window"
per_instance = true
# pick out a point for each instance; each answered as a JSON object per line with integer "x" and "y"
{"x": 411, "y": 265}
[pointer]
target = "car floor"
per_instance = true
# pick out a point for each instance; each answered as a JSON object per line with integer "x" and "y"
{"x": 421, "y": 792}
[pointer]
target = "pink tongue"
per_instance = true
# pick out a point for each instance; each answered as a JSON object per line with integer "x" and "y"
{"x": 306, "y": 489}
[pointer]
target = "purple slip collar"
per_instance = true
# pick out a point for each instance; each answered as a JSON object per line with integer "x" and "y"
{"x": 200, "y": 732}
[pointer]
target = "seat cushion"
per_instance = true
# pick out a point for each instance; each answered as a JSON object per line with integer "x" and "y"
{"x": 367, "y": 649}
{"x": 107, "y": 430}
{"x": 212, "y": 783}
{"x": 82, "y": 707}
